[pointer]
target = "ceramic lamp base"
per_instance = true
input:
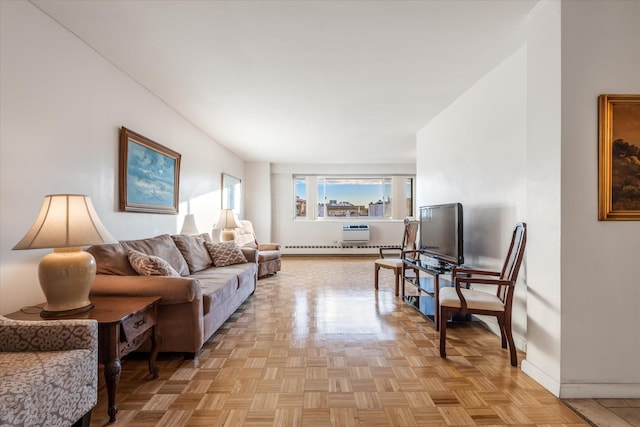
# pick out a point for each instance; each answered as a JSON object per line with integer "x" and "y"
{"x": 227, "y": 235}
{"x": 66, "y": 276}
{"x": 46, "y": 314}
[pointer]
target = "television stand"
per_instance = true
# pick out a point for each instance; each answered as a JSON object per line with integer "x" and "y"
{"x": 426, "y": 277}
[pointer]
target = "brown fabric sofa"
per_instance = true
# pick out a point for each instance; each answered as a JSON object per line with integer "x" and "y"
{"x": 195, "y": 304}
{"x": 269, "y": 254}
{"x": 48, "y": 372}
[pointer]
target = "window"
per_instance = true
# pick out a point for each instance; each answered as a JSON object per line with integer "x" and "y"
{"x": 348, "y": 197}
{"x": 408, "y": 194}
{"x": 301, "y": 197}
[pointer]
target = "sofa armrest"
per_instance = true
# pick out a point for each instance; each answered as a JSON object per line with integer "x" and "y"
{"x": 172, "y": 290}
{"x": 269, "y": 247}
{"x": 250, "y": 254}
{"x": 48, "y": 335}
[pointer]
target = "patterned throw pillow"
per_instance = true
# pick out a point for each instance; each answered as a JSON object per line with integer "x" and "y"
{"x": 150, "y": 265}
{"x": 225, "y": 253}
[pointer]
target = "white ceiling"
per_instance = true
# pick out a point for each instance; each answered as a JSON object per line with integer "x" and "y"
{"x": 303, "y": 81}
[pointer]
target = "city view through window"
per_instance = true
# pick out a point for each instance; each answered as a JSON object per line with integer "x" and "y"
{"x": 349, "y": 197}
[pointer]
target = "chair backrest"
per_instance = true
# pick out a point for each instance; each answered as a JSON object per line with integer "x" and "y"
{"x": 245, "y": 236}
{"x": 410, "y": 235}
{"x": 512, "y": 263}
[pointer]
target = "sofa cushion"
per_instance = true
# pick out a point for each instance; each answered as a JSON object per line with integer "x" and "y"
{"x": 268, "y": 255}
{"x": 193, "y": 251}
{"x": 225, "y": 253}
{"x": 245, "y": 273}
{"x": 150, "y": 265}
{"x": 113, "y": 258}
{"x": 217, "y": 285}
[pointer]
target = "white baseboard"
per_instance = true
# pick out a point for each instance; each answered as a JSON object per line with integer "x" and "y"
{"x": 581, "y": 390}
{"x": 541, "y": 377}
{"x": 331, "y": 250}
{"x": 600, "y": 391}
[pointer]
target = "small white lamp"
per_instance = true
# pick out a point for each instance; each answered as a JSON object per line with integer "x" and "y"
{"x": 227, "y": 222}
{"x": 66, "y": 222}
{"x": 189, "y": 225}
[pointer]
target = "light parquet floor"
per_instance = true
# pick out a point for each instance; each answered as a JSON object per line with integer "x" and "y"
{"x": 317, "y": 346}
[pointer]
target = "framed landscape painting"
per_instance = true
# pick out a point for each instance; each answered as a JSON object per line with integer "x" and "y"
{"x": 149, "y": 175}
{"x": 619, "y": 157}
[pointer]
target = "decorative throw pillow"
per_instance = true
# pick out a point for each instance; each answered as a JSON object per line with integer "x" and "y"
{"x": 193, "y": 251}
{"x": 225, "y": 253}
{"x": 245, "y": 237}
{"x": 150, "y": 265}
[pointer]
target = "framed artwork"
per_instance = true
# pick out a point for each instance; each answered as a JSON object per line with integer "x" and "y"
{"x": 231, "y": 192}
{"x": 619, "y": 157}
{"x": 149, "y": 175}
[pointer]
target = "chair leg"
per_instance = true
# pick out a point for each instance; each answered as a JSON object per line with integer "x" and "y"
{"x": 443, "y": 331}
{"x": 512, "y": 347}
{"x": 375, "y": 277}
{"x": 397, "y": 283}
{"x": 503, "y": 334}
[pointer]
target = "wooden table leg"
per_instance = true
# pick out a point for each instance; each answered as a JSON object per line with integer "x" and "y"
{"x": 112, "y": 372}
{"x": 108, "y": 354}
{"x": 155, "y": 345}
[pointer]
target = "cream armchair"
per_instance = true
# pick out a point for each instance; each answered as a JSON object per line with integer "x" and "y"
{"x": 269, "y": 254}
{"x": 48, "y": 372}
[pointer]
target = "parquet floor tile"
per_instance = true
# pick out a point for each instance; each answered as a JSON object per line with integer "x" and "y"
{"x": 317, "y": 346}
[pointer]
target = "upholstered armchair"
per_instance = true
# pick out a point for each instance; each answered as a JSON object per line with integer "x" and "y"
{"x": 269, "y": 254}
{"x": 48, "y": 372}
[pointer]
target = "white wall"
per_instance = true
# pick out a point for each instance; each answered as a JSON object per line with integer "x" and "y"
{"x": 258, "y": 191}
{"x": 581, "y": 275}
{"x": 61, "y": 109}
{"x": 292, "y": 232}
{"x": 474, "y": 152}
{"x": 544, "y": 196}
{"x": 600, "y": 260}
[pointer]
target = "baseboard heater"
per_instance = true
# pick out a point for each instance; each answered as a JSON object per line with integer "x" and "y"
{"x": 335, "y": 246}
{"x": 338, "y": 249}
{"x": 355, "y": 234}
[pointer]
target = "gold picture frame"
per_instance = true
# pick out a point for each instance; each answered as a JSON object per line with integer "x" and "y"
{"x": 619, "y": 158}
{"x": 149, "y": 175}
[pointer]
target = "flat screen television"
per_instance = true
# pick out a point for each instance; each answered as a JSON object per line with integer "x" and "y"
{"x": 441, "y": 233}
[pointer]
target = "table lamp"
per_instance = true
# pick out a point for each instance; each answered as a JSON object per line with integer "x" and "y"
{"x": 66, "y": 222}
{"x": 227, "y": 222}
{"x": 189, "y": 226}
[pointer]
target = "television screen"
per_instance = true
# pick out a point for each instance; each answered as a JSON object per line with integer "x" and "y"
{"x": 441, "y": 233}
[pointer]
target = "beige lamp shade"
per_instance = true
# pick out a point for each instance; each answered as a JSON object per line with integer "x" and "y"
{"x": 189, "y": 226}
{"x": 227, "y": 222}
{"x": 66, "y": 222}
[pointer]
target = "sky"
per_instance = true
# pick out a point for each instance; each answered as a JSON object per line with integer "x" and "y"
{"x": 626, "y": 123}
{"x": 355, "y": 193}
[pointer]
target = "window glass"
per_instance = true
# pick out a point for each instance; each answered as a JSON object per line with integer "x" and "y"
{"x": 300, "y": 184}
{"x": 347, "y": 197}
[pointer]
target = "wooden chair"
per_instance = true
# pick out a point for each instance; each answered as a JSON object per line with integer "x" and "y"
{"x": 471, "y": 301}
{"x": 391, "y": 257}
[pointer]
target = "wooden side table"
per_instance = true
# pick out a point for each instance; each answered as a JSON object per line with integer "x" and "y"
{"x": 124, "y": 324}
